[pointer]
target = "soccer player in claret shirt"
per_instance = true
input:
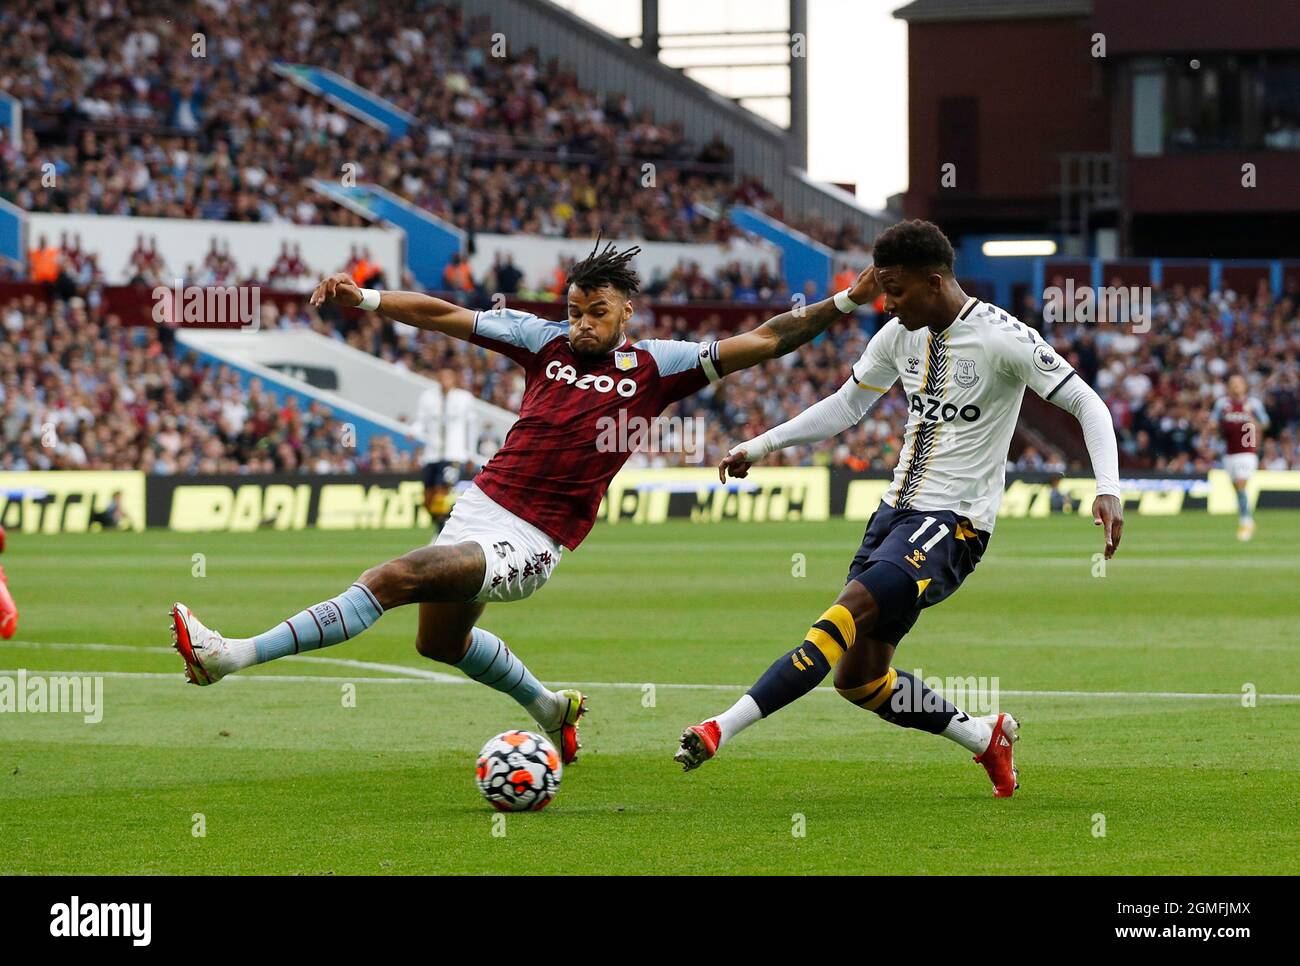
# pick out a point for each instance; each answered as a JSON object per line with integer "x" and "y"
{"x": 964, "y": 365}
{"x": 538, "y": 496}
{"x": 1241, "y": 419}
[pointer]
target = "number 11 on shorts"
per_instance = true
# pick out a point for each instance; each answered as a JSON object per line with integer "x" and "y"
{"x": 925, "y": 525}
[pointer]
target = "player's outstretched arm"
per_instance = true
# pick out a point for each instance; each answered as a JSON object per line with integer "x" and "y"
{"x": 413, "y": 308}
{"x": 1079, "y": 399}
{"x": 789, "y": 330}
{"x": 822, "y": 420}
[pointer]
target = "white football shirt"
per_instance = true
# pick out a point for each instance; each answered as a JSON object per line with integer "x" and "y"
{"x": 964, "y": 388}
{"x": 447, "y": 424}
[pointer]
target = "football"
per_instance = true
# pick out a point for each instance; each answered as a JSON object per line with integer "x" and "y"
{"x": 518, "y": 771}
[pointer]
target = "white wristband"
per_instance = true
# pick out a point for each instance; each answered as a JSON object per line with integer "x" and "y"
{"x": 369, "y": 299}
{"x": 845, "y": 304}
{"x": 755, "y": 449}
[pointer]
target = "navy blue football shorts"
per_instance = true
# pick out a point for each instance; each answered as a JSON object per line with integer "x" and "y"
{"x": 936, "y": 548}
{"x": 442, "y": 473}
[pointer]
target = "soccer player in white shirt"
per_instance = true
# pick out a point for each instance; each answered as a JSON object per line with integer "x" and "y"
{"x": 445, "y": 420}
{"x": 964, "y": 365}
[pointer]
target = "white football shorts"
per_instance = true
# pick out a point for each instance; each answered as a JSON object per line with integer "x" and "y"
{"x": 1241, "y": 466}
{"x": 520, "y": 558}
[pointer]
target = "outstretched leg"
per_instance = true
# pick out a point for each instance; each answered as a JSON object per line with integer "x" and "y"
{"x": 855, "y": 612}
{"x": 857, "y": 636}
{"x": 447, "y": 573}
{"x": 444, "y": 580}
{"x": 447, "y": 634}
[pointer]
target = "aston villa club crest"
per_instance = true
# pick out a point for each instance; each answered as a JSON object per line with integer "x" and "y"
{"x": 623, "y": 361}
{"x": 965, "y": 374}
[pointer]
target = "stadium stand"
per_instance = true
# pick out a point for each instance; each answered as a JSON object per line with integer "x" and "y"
{"x": 123, "y": 397}
{"x": 80, "y": 391}
{"x": 1161, "y": 385}
{"x": 134, "y": 123}
{"x": 67, "y": 265}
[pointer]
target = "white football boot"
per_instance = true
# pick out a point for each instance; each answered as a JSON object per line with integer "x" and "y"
{"x": 207, "y": 655}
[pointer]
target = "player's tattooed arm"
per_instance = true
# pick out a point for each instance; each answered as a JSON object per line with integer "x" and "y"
{"x": 413, "y": 308}
{"x": 792, "y": 329}
{"x": 784, "y": 333}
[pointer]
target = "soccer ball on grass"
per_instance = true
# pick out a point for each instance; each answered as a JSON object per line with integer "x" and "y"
{"x": 518, "y": 771}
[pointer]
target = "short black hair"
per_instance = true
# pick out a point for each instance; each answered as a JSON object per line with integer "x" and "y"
{"x": 606, "y": 267}
{"x": 915, "y": 245}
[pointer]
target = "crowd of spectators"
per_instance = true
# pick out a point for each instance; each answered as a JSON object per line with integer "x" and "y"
{"x": 135, "y": 110}
{"x": 70, "y": 268}
{"x": 1161, "y": 376}
{"x": 686, "y": 281}
{"x": 79, "y": 390}
{"x": 82, "y": 391}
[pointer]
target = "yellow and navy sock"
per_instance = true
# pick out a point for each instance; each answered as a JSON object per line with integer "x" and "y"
{"x": 802, "y": 669}
{"x": 902, "y": 698}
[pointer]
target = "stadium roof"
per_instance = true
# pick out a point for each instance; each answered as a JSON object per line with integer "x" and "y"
{"x": 939, "y": 11}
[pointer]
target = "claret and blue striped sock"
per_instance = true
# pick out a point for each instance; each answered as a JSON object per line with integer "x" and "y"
{"x": 490, "y": 662}
{"x": 330, "y": 622}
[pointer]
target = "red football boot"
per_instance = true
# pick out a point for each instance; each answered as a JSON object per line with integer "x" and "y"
{"x": 998, "y": 759}
{"x": 564, "y": 736}
{"x": 699, "y": 743}
{"x": 8, "y": 609}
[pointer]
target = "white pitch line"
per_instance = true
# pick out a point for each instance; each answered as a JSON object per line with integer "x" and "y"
{"x": 86, "y": 646}
{"x": 410, "y": 672}
{"x": 410, "y": 675}
{"x": 1209, "y": 695}
{"x": 179, "y": 677}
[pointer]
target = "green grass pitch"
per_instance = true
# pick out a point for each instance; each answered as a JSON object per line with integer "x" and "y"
{"x": 289, "y": 780}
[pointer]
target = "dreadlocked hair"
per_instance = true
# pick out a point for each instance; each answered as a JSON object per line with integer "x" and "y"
{"x": 606, "y": 266}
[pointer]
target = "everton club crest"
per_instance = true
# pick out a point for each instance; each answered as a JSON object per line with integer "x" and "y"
{"x": 965, "y": 374}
